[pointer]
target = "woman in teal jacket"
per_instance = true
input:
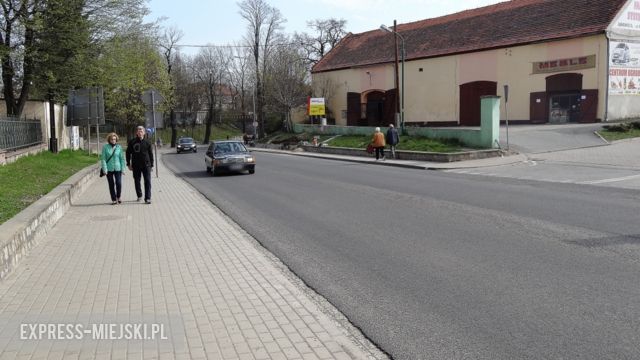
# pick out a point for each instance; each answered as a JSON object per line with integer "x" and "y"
{"x": 113, "y": 164}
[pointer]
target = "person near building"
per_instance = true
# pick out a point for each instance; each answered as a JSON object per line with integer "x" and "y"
{"x": 377, "y": 141}
{"x": 112, "y": 162}
{"x": 140, "y": 162}
{"x": 393, "y": 138}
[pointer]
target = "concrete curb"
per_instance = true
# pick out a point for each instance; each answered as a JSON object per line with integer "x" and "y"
{"x": 7, "y": 157}
{"x": 499, "y": 161}
{"x": 22, "y": 232}
{"x": 339, "y": 157}
{"x": 401, "y": 154}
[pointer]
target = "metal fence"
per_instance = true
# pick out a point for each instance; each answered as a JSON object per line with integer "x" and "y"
{"x": 15, "y": 134}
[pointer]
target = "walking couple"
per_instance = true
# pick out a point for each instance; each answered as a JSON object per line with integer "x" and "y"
{"x": 139, "y": 159}
{"x": 378, "y": 141}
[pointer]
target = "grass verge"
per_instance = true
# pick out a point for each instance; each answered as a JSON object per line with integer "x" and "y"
{"x": 611, "y": 135}
{"x": 406, "y": 143}
{"x": 31, "y": 177}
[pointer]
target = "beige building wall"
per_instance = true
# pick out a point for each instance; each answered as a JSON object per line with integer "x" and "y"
{"x": 337, "y": 84}
{"x": 39, "y": 110}
{"x": 432, "y": 85}
{"x": 516, "y": 70}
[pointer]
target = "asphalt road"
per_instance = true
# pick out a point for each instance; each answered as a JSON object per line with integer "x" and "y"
{"x": 563, "y": 172}
{"x": 433, "y": 265}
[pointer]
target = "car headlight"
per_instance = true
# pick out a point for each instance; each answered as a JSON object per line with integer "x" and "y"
{"x": 249, "y": 159}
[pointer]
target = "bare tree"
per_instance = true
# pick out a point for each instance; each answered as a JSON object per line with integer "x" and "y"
{"x": 239, "y": 77}
{"x": 325, "y": 88}
{"x": 188, "y": 90}
{"x": 326, "y": 35}
{"x": 264, "y": 23}
{"x": 288, "y": 81}
{"x": 168, "y": 43}
{"x": 210, "y": 68}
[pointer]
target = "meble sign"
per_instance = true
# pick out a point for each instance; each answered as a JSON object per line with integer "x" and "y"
{"x": 583, "y": 62}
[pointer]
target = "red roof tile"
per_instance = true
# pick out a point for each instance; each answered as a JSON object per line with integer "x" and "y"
{"x": 505, "y": 24}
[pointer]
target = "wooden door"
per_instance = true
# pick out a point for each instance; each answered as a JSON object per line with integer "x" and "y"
{"x": 588, "y": 106}
{"x": 389, "y": 116}
{"x": 375, "y": 108}
{"x": 539, "y": 108}
{"x": 353, "y": 108}
{"x": 470, "y": 94}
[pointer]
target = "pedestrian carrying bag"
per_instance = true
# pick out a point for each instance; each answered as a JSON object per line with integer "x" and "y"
{"x": 370, "y": 149}
{"x": 113, "y": 152}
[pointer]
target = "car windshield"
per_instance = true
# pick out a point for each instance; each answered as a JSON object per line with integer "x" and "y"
{"x": 229, "y": 148}
{"x": 186, "y": 140}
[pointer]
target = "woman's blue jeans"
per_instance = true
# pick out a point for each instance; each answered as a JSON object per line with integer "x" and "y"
{"x": 114, "y": 178}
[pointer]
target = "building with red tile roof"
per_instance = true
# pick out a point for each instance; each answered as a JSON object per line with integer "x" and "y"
{"x": 563, "y": 60}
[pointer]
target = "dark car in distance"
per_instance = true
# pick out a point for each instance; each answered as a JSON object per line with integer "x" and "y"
{"x": 229, "y": 156}
{"x": 186, "y": 144}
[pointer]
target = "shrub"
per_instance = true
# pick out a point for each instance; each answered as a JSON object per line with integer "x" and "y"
{"x": 622, "y": 127}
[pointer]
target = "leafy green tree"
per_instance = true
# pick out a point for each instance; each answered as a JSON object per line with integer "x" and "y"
{"x": 129, "y": 66}
{"x": 48, "y": 46}
{"x": 64, "y": 50}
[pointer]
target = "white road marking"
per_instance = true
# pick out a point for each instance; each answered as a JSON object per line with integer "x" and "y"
{"x": 604, "y": 181}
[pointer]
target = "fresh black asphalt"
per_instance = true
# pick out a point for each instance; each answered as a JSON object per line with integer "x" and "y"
{"x": 433, "y": 265}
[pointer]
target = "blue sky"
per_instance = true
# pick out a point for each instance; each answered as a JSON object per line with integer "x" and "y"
{"x": 217, "y": 22}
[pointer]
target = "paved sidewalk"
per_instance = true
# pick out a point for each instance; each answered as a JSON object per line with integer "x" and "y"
{"x": 180, "y": 268}
{"x": 621, "y": 153}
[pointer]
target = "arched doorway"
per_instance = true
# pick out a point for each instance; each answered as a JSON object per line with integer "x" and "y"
{"x": 564, "y": 92}
{"x": 564, "y": 101}
{"x": 470, "y": 94}
{"x": 375, "y": 107}
{"x": 379, "y": 107}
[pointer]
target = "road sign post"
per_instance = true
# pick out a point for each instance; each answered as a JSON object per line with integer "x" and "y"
{"x": 506, "y": 112}
{"x": 86, "y": 107}
{"x": 151, "y": 98}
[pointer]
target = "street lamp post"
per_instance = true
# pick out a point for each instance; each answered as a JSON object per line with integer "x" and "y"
{"x": 395, "y": 32}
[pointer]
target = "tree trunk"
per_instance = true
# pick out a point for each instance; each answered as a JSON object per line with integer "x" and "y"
{"x": 7, "y": 81}
{"x": 207, "y": 130}
{"x": 173, "y": 128}
{"x": 259, "y": 105}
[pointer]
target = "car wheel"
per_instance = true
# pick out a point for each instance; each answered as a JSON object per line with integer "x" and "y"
{"x": 208, "y": 169}
{"x": 195, "y": 151}
{"x": 252, "y": 171}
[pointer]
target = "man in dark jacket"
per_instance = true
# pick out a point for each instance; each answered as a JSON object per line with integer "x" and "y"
{"x": 140, "y": 163}
{"x": 392, "y": 139}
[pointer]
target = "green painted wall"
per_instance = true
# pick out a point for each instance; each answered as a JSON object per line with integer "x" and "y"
{"x": 484, "y": 137}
